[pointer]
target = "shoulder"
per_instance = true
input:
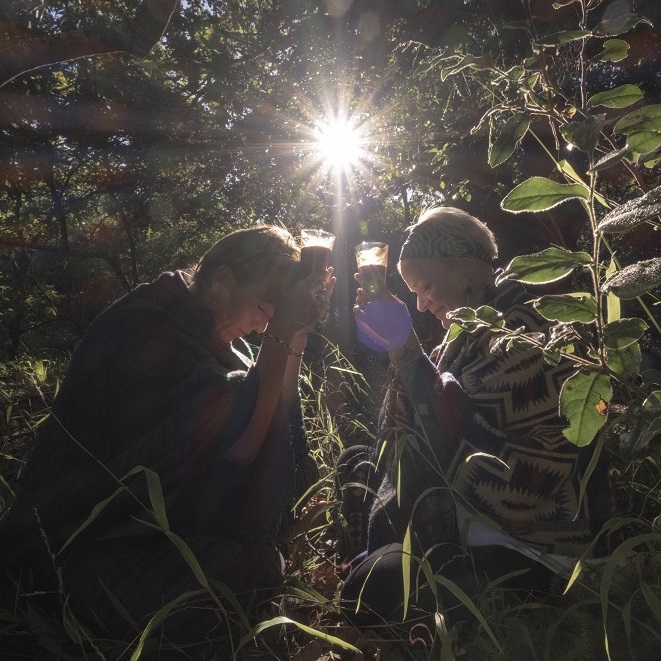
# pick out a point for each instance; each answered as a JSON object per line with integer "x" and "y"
{"x": 513, "y": 301}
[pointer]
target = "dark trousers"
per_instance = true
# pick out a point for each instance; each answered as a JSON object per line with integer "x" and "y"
{"x": 373, "y": 592}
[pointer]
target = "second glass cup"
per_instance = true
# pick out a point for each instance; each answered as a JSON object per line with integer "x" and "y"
{"x": 372, "y": 262}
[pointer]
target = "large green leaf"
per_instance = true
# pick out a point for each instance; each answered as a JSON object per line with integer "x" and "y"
{"x": 623, "y": 332}
{"x": 567, "y": 307}
{"x": 506, "y": 142}
{"x": 612, "y": 27}
{"x": 625, "y": 362}
{"x": 615, "y": 50}
{"x": 635, "y": 279}
{"x": 547, "y": 266}
{"x": 583, "y": 400}
{"x": 540, "y": 194}
{"x": 280, "y": 620}
{"x": 584, "y": 134}
{"x": 642, "y": 128}
{"x": 632, "y": 213}
{"x": 644, "y": 142}
{"x": 651, "y": 411}
{"x": 619, "y": 97}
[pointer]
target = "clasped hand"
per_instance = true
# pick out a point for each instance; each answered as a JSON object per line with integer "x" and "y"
{"x": 304, "y": 304}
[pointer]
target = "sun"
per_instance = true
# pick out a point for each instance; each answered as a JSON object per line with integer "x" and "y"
{"x": 339, "y": 144}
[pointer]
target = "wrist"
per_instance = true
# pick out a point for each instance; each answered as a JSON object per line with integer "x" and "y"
{"x": 291, "y": 349}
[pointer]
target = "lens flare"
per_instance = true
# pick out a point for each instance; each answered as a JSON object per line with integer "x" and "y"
{"x": 338, "y": 144}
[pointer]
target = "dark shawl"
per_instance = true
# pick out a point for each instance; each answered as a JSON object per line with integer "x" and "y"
{"x": 148, "y": 386}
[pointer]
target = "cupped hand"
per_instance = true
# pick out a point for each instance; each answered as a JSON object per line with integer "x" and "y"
{"x": 303, "y": 305}
{"x": 384, "y": 324}
{"x": 366, "y": 292}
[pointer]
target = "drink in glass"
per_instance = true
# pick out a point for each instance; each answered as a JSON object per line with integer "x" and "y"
{"x": 372, "y": 261}
{"x": 316, "y": 247}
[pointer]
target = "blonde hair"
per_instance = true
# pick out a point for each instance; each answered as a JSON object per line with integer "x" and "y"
{"x": 449, "y": 232}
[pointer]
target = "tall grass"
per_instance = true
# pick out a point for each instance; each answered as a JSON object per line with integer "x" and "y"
{"x": 611, "y": 611}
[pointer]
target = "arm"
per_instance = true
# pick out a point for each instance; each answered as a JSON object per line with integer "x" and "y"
{"x": 301, "y": 309}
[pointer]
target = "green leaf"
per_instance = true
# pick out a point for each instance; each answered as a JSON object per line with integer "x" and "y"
{"x": 559, "y": 4}
{"x": 567, "y": 169}
{"x": 625, "y": 362}
{"x": 652, "y": 403}
{"x": 653, "y": 602}
{"x": 615, "y": 50}
{"x": 635, "y": 279}
{"x": 490, "y": 316}
{"x": 156, "y": 498}
{"x": 643, "y": 119}
{"x": 158, "y": 618}
{"x": 513, "y": 131}
{"x": 454, "y": 332}
{"x": 468, "y": 603}
{"x": 567, "y": 307}
{"x": 540, "y": 194}
{"x": 584, "y": 134}
{"x": 612, "y": 27}
{"x": 543, "y": 267}
{"x": 406, "y": 568}
{"x": 613, "y": 306}
{"x": 644, "y": 142}
{"x": 581, "y": 400}
{"x": 619, "y": 97}
{"x": 280, "y": 620}
{"x": 623, "y": 332}
{"x": 564, "y": 37}
{"x": 642, "y": 128}
{"x": 609, "y": 160}
{"x": 632, "y": 213}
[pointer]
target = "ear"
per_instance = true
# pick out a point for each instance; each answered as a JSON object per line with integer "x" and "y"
{"x": 222, "y": 282}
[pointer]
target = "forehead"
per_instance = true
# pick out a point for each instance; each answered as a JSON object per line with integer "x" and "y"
{"x": 270, "y": 285}
{"x": 416, "y": 271}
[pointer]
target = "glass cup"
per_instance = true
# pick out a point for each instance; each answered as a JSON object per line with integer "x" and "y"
{"x": 372, "y": 261}
{"x": 316, "y": 247}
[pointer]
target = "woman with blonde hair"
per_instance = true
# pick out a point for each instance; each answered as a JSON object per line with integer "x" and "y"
{"x": 473, "y": 467}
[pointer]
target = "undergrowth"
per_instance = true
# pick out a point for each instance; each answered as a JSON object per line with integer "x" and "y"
{"x": 304, "y": 623}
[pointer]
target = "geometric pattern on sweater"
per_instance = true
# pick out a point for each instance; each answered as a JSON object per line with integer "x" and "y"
{"x": 470, "y": 399}
{"x": 515, "y": 400}
{"x": 534, "y": 497}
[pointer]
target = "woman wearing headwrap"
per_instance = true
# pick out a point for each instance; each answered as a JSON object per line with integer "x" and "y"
{"x": 170, "y": 458}
{"x": 472, "y": 468}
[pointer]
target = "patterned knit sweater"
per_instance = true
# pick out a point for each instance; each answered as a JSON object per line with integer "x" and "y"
{"x": 482, "y": 427}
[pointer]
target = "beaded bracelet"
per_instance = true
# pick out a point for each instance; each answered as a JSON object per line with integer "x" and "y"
{"x": 290, "y": 351}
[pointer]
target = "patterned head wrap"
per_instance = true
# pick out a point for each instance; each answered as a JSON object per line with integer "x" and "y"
{"x": 436, "y": 242}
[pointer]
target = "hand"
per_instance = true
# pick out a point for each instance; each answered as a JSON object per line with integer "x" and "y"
{"x": 384, "y": 324}
{"x": 303, "y": 305}
{"x": 372, "y": 286}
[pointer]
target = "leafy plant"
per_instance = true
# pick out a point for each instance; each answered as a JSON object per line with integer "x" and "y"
{"x": 611, "y": 134}
{"x": 606, "y": 382}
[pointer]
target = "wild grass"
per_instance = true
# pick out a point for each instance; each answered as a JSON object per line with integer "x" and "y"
{"x": 613, "y": 611}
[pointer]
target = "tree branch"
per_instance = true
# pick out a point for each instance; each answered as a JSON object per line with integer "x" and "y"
{"x": 136, "y": 38}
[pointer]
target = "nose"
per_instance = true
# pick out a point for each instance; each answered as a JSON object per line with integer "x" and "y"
{"x": 423, "y": 303}
{"x": 266, "y": 311}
